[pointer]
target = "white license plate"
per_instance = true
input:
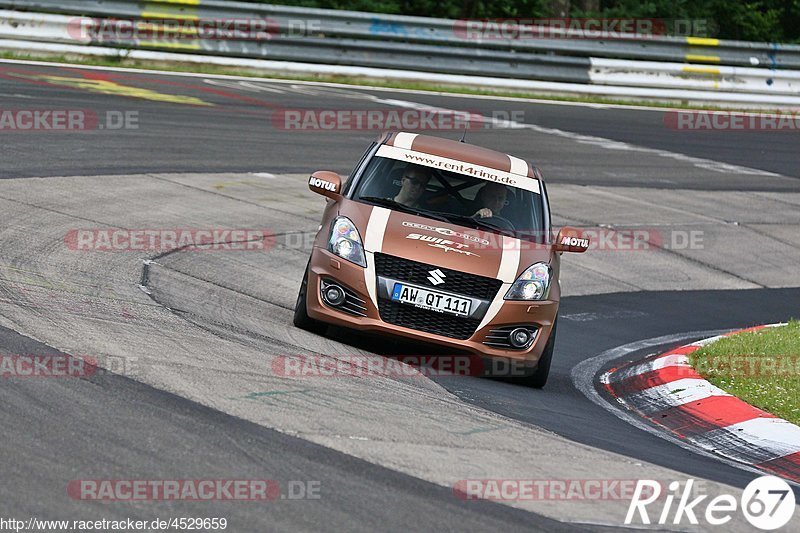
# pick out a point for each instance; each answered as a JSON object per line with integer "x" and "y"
{"x": 431, "y": 300}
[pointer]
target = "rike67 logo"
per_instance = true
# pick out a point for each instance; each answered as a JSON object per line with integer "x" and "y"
{"x": 767, "y": 503}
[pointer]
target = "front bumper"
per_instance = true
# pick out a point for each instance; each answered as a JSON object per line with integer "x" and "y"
{"x": 326, "y": 266}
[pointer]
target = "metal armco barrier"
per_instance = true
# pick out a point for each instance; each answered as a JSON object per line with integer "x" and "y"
{"x": 401, "y": 43}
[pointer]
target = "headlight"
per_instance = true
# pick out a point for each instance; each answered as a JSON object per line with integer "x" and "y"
{"x": 533, "y": 284}
{"x": 346, "y": 242}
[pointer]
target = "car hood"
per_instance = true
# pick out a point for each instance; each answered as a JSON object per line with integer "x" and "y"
{"x": 442, "y": 244}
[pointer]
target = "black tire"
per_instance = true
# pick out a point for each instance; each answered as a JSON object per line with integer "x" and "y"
{"x": 538, "y": 379}
{"x": 301, "y": 318}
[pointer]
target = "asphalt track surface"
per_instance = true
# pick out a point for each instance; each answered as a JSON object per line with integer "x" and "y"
{"x": 237, "y": 134}
{"x": 598, "y": 323}
{"x": 109, "y": 424}
{"x": 113, "y": 426}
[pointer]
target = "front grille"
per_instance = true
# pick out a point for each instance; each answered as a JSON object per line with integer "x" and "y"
{"x": 456, "y": 282}
{"x": 408, "y": 316}
{"x": 412, "y": 317}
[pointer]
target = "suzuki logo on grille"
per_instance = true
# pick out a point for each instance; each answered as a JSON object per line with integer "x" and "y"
{"x": 436, "y": 277}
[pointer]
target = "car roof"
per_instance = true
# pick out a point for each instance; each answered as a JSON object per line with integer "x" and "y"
{"x": 461, "y": 151}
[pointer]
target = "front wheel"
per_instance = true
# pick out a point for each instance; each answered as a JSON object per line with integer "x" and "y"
{"x": 301, "y": 318}
{"x": 538, "y": 379}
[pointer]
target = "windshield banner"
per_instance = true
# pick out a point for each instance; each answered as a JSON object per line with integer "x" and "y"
{"x": 460, "y": 167}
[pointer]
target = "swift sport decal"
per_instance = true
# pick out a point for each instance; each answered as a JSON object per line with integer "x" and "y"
{"x": 447, "y": 232}
{"x": 443, "y": 244}
{"x": 447, "y": 248}
{"x": 438, "y": 240}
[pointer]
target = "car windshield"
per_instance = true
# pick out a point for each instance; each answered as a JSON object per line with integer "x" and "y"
{"x": 453, "y": 197}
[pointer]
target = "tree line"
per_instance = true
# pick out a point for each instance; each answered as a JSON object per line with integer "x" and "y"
{"x": 746, "y": 20}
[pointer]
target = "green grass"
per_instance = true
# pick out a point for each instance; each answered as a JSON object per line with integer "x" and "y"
{"x": 762, "y": 368}
{"x": 347, "y": 80}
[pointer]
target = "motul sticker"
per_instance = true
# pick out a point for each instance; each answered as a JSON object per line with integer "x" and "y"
{"x": 322, "y": 184}
{"x": 575, "y": 241}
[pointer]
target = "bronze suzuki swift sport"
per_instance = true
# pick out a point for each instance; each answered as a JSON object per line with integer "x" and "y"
{"x": 439, "y": 241}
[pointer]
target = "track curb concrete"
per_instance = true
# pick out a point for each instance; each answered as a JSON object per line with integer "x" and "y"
{"x": 668, "y": 392}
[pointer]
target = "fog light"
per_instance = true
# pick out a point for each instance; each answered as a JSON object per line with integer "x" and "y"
{"x": 520, "y": 338}
{"x": 333, "y": 295}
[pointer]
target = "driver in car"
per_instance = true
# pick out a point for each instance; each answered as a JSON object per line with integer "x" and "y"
{"x": 492, "y": 198}
{"x": 412, "y": 186}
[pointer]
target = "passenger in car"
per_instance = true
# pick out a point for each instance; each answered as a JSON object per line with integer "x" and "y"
{"x": 490, "y": 200}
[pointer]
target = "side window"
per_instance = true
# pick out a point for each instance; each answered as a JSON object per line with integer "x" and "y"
{"x": 381, "y": 178}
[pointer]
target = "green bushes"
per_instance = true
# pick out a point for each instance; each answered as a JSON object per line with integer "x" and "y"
{"x": 748, "y": 20}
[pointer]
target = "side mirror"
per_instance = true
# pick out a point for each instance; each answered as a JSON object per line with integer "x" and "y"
{"x": 326, "y": 183}
{"x": 570, "y": 240}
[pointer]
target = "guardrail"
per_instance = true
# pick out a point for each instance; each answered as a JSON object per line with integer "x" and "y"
{"x": 359, "y": 25}
{"x": 402, "y": 43}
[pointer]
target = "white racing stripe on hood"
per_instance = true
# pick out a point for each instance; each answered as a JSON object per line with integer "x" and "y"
{"x": 373, "y": 242}
{"x": 518, "y": 166}
{"x": 509, "y": 264}
{"x": 404, "y": 140}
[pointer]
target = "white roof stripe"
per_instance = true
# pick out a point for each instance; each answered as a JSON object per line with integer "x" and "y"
{"x": 405, "y": 140}
{"x": 518, "y": 166}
